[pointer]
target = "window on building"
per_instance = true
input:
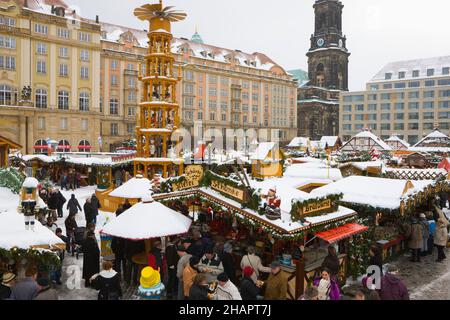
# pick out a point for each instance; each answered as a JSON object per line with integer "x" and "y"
{"x": 84, "y": 55}
{"x": 374, "y": 87}
{"x": 400, "y": 85}
{"x": 430, "y": 72}
{"x": 399, "y": 126}
{"x": 41, "y": 48}
{"x": 428, "y": 94}
{"x": 114, "y": 64}
{"x": 428, "y": 126}
{"x": 347, "y": 117}
{"x": 359, "y": 117}
{"x": 130, "y": 128}
{"x": 131, "y": 82}
{"x": 413, "y": 106}
{"x": 359, "y": 107}
{"x": 114, "y": 80}
{"x": 114, "y": 106}
{"x": 41, "y": 123}
{"x": 84, "y": 101}
{"x": 444, "y": 93}
{"x": 64, "y": 123}
{"x": 347, "y": 108}
{"x": 413, "y": 116}
{"x": 399, "y": 95}
{"x": 7, "y": 21}
{"x": 372, "y": 97}
{"x": 387, "y": 86}
{"x": 40, "y": 28}
{"x": 5, "y": 95}
{"x": 385, "y": 126}
{"x": 63, "y": 52}
{"x": 428, "y": 105}
{"x": 428, "y": 115}
{"x": 416, "y": 73}
{"x": 347, "y": 127}
{"x": 444, "y": 104}
{"x": 401, "y": 74}
{"x": 359, "y": 126}
{"x": 444, "y": 82}
{"x": 372, "y": 117}
{"x": 41, "y": 98}
{"x": 414, "y": 84}
{"x": 385, "y": 96}
{"x": 63, "y": 33}
{"x": 131, "y": 111}
{"x": 413, "y": 139}
{"x": 444, "y": 115}
{"x": 430, "y": 83}
{"x": 200, "y": 115}
{"x": 385, "y": 116}
{"x": 399, "y": 116}
{"x": 444, "y": 125}
{"x": 399, "y": 106}
{"x": 446, "y": 71}
{"x": 388, "y": 76}
{"x": 413, "y": 95}
{"x": 224, "y": 117}
{"x": 41, "y": 67}
{"x": 84, "y": 72}
{"x": 131, "y": 96}
{"x": 7, "y": 62}
{"x": 114, "y": 129}
{"x": 63, "y": 100}
{"x": 84, "y": 36}
{"x": 63, "y": 70}
{"x": 385, "y": 106}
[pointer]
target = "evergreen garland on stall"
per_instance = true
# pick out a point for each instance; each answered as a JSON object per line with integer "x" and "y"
{"x": 11, "y": 178}
{"x": 358, "y": 251}
{"x": 297, "y": 205}
{"x": 38, "y": 257}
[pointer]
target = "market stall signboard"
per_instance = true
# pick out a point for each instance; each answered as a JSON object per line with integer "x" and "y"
{"x": 229, "y": 191}
{"x": 316, "y": 207}
{"x": 193, "y": 176}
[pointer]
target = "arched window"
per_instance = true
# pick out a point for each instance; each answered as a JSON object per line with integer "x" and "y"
{"x": 63, "y": 100}
{"x": 113, "y": 106}
{"x": 320, "y": 75}
{"x": 40, "y": 147}
{"x": 5, "y": 95}
{"x": 84, "y": 101}
{"x": 41, "y": 98}
{"x": 63, "y": 146}
{"x": 84, "y": 146}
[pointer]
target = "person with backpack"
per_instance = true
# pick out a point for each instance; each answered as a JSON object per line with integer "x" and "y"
{"x": 107, "y": 282}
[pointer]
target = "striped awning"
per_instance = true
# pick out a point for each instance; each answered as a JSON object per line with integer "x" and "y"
{"x": 343, "y": 232}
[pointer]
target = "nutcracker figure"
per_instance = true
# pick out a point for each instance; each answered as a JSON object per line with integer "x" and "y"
{"x": 272, "y": 205}
{"x": 29, "y": 199}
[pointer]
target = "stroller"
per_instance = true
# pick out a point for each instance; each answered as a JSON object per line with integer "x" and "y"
{"x": 77, "y": 241}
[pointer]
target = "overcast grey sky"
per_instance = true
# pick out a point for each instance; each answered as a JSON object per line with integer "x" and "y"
{"x": 378, "y": 31}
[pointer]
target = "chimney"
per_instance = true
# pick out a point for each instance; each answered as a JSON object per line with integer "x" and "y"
{"x": 25, "y": 4}
{"x": 97, "y": 20}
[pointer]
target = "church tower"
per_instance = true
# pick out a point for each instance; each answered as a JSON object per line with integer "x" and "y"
{"x": 328, "y": 55}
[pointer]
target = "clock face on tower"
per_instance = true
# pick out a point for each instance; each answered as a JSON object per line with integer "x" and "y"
{"x": 320, "y": 42}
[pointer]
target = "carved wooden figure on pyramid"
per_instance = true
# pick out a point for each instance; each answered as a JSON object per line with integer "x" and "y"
{"x": 29, "y": 202}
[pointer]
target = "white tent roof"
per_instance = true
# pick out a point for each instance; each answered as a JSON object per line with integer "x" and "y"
{"x": 263, "y": 150}
{"x": 134, "y": 188}
{"x": 146, "y": 221}
{"x": 299, "y": 142}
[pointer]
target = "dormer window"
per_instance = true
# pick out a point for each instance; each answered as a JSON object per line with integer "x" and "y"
{"x": 388, "y": 76}
{"x": 204, "y": 53}
{"x": 430, "y": 72}
{"x": 401, "y": 75}
{"x": 211, "y": 55}
{"x": 416, "y": 73}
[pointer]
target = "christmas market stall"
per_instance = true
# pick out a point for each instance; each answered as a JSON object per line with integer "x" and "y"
{"x": 274, "y": 216}
{"x": 436, "y": 142}
{"x": 386, "y": 206}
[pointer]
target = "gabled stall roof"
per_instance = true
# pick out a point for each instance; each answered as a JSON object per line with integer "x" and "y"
{"x": 372, "y": 140}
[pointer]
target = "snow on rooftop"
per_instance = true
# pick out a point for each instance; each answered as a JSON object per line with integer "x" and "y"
{"x": 298, "y": 142}
{"x": 376, "y": 192}
{"x": 134, "y": 188}
{"x": 395, "y": 138}
{"x": 408, "y": 66}
{"x": 262, "y": 151}
{"x": 370, "y": 135}
{"x": 312, "y": 171}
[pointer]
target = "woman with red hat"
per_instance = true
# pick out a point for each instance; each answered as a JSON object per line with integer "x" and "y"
{"x": 249, "y": 290}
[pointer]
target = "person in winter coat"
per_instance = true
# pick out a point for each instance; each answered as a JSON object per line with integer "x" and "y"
{"x": 331, "y": 262}
{"x": 107, "y": 282}
{"x": 27, "y": 289}
{"x": 415, "y": 239}
{"x": 172, "y": 261}
{"x": 249, "y": 290}
{"x": 392, "y": 287}
{"x": 441, "y": 239}
{"x": 117, "y": 247}
{"x": 73, "y": 205}
{"x": 46, "y": 292}
{"x": 183, "y": 261}
{"x": 156, "y": 258}
{"x": 276, "y": 284}
{"x": 91, "y": 258}
{"x": 189, "y": 273}
{"x": 88, "y": 211}
{"x": 71, "y": 226}
{"x": 52, "y": 203}
{"x": 252, "y": 260}
{"x": 327, "y": 286}
{"x": 425, "y": 234}
{"x": 8, "y": 282}
{"x": 228, "y": 262}
{"x": 60, "y": 203}
{"x": 51, "y": 225}
{"x": 226, "y": 290}
{"x": 95, "y": 206}
{"x": 199, "y": 288}
{"x": 211, "y": 265}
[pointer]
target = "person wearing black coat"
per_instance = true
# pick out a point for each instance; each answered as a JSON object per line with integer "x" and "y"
{"x": 199, "y": 288}
{"x": 108, "y": 283}
{"x": 331, "y": 261}
{"x": 91, "y": 258}
{"x": 73, "y": 205}
{"x": 95, "y": 206}
{"x": 88, "y": 212}
{"x": 117, "y": 247}
{"x": 228, "y": 263}
{"x": 60, "y": 204}
{"x": 375, "y": 258}
{"x": 172, "y": 261}
{"x": 248, "y": 289}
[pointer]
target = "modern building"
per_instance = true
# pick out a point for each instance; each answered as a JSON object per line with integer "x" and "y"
{"x": 328, "y": 58}
{"x": 406, "y": 98}
{"x": 49, "y": 88}
{"x": 59, "y": 54}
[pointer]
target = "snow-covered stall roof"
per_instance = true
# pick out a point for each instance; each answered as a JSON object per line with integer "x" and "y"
{"x": 313, "y": 170}
{"x": 364, "y": 165}
{"x": 365, "y": 141}
{"x": 147, "y": 220}
{"x": 376, "y": 192}
{"x": 299, "y": 142}
{"x": 328, "y": 140}
{"x": 83, "y": 159}
{"x": 263, "y": 150}
{"x": 12, "y": 227}
{"x": 134, "y": 188}
{"x": 394, "y": 140}
{"x": 436, "y": 141}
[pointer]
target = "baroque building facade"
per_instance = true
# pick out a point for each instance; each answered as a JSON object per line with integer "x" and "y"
{"x": 328, "y": 58}
{"x": 83, "y": 76}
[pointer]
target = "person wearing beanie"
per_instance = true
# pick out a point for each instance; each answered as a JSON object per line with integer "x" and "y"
{"x": 211, "y": 265}
{"x": 276, "y": 285}
{"x": 8, "y": 281}
{"x": 249, "y": 290}
{"x": 229, "y": 265}
{"x": 252, "y": 260}
{"x": 425, "y": 233}
{"x": 46, "y": 292}
{"x": 392, "y": 287}
{"x": 189, "y": 273}
{"x": 182, "y": 263}
{"x": 226, "y": 290}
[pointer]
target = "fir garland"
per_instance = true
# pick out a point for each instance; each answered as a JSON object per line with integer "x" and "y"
{"x": 11, "y": 178}
{"x": 297, "y": 205}
{"x": 33, "y": 256}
